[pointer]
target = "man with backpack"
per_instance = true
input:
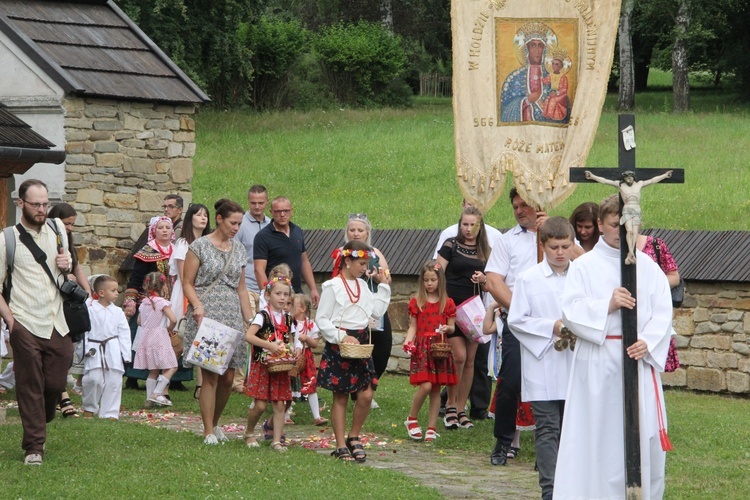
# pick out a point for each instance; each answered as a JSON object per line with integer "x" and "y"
{"x": 33, "y": 310}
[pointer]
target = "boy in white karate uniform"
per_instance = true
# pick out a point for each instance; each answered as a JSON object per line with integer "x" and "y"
{"x": 535, "y": 318}
{"x": 591, "y": 460}
{"x": 107, "y": 345}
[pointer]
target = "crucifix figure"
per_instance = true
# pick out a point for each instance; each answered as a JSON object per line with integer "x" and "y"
{"x": 630, "y": 192}
{"x": 636, "y": 371}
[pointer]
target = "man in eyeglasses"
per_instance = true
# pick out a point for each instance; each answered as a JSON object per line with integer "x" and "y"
{"x": 42, "y": 349}
{"x": 281, "y": 242}
{"x": 173, "y": 209}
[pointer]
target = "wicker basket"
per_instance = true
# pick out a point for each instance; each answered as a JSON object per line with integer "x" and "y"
{"x": 355, "y": 351}
{"x": 440, "y": 350}
{"x": 279, "y": 365}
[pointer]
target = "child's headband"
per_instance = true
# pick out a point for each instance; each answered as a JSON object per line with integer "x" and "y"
{"x": 358, "y": 254}
{"x": 277, "y": 279}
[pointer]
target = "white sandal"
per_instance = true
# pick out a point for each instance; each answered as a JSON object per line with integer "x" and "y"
{"x": 277, "y": 446}
{"x": 412, "y": 428}
{"x": 251, "y": 444}
{"x": 431, "y": 435}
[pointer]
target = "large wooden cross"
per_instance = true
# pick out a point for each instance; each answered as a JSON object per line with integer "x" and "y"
{"x": 626, "y": 141}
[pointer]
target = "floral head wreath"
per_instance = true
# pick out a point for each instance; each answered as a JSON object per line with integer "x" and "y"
{"x": 277, "y": 279}
{"x": 358, "y": 254}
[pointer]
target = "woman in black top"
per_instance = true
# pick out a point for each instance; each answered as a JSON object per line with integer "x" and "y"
{"x": 463, "y": 258}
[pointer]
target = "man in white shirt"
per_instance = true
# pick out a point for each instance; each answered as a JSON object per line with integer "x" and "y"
{"x": 535, "y": 318}
{"x": 513, "y": 253}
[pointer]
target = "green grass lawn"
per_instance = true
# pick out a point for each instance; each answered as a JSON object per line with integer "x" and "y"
{"x": 710, "y": 433}
{"x": 398, "y": 165}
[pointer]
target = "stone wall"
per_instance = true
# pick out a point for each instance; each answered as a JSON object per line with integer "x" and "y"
{"x": 122, "y": 159}
{"x": 713, "y": 335}
{"x": 713, "y": 339}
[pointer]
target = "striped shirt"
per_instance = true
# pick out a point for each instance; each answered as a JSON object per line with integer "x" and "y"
{"x": 34, "y": 301}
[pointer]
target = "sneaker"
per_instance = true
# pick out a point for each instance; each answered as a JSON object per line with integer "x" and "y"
{"x": 33, "y": 459}
{"x": 374, "y": 405}
{"x": 219, "y": 433}
{"x": 160, "y": 400}
{"x": 210, "y": 439}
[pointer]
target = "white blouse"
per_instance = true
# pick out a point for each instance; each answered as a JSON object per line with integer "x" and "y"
{"x": 336, "y": 312}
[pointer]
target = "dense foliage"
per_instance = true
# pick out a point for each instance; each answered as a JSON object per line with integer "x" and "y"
{"x": 303, "y": 54}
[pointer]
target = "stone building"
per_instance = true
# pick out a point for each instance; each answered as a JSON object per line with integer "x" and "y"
{"x": 712, "y": 326}
{"x": 90, "y": 81}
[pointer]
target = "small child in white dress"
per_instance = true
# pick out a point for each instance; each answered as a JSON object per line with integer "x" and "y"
{"x": 154, "y": 351}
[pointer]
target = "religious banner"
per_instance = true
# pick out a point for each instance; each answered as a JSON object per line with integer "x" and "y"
{"x": 529, "y": 81}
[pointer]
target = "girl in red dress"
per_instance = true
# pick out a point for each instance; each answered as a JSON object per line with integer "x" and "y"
{"x": 431, "y": 317}
{"x": 271, "y": 334}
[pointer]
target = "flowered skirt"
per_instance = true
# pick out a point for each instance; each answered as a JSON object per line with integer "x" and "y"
{"x": 424, "y": 368}
{"x": 346, "y": 375}
{"x": 268, "y": 386}
{"x": 309, "y": 376}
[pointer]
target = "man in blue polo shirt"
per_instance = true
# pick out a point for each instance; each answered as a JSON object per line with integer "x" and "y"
{"x": 281, "y": 242}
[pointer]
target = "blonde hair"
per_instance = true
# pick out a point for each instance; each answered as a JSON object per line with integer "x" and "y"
{"x": 281, "y": 270}
{"x": 431, "y": 267}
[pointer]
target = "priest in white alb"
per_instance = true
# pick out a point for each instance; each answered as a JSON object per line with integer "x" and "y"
{"x": 591, "y": 459}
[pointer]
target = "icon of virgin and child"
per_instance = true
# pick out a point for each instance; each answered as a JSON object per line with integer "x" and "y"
{"x": 538, "y": 90}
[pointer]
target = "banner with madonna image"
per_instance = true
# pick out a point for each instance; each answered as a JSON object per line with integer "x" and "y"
{"x": 529, "y": 82}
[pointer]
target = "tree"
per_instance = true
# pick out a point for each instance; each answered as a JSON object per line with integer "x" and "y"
{"x": 680, "y": 68}
{"x": 626, "y": 98}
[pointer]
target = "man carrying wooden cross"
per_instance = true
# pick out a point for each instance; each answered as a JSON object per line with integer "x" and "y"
{"x": 591, "y": 459}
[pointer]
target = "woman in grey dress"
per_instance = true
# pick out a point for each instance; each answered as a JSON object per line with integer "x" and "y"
{"x": 226, "y": 301}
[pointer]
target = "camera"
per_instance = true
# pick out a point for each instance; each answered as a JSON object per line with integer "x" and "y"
{"x": 73, "y": 291}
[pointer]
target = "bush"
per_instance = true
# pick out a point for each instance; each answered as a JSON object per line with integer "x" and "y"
{"x": 277, "y": 46}
{"x": 361, "y": 63}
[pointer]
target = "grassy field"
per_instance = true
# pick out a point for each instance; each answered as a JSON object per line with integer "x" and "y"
{"x": 397, "y": 165}
{"x": 710, "y": 434}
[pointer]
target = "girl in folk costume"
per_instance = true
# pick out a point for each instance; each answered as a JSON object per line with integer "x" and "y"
{"x": 344, "y": 312}
{"x": 308, "y": 334}
{"x": 272, "y": 335}
{"x": 154, "y": 350}
{"x": 279, "y": 271}
{"x": 153, "y": 257}
{"x": 431, "y": 316}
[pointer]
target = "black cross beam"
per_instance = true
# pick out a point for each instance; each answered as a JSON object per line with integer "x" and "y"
{"x": 626, "y": 161}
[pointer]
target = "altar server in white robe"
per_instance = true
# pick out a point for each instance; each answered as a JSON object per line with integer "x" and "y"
{"x": 591, "y": 460}
{"x": 535, "y": 318}
{"x": 107, "y": 346}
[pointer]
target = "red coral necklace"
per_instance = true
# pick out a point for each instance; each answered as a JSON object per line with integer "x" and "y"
{"x": 353, "y": 296}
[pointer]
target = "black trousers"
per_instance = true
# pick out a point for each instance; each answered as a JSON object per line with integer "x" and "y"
{"x": 481, "y": 386}
{"x": 382, "y": 343}
{"x": 508, "y": 389}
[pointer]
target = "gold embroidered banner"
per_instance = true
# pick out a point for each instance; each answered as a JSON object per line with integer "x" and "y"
{"x": 529, "y": 81}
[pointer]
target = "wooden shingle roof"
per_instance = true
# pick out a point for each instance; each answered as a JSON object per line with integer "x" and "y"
{"x": 700, "y": 255}
{"x": 90, "y": 47}
{"x": 21, "y": 147}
